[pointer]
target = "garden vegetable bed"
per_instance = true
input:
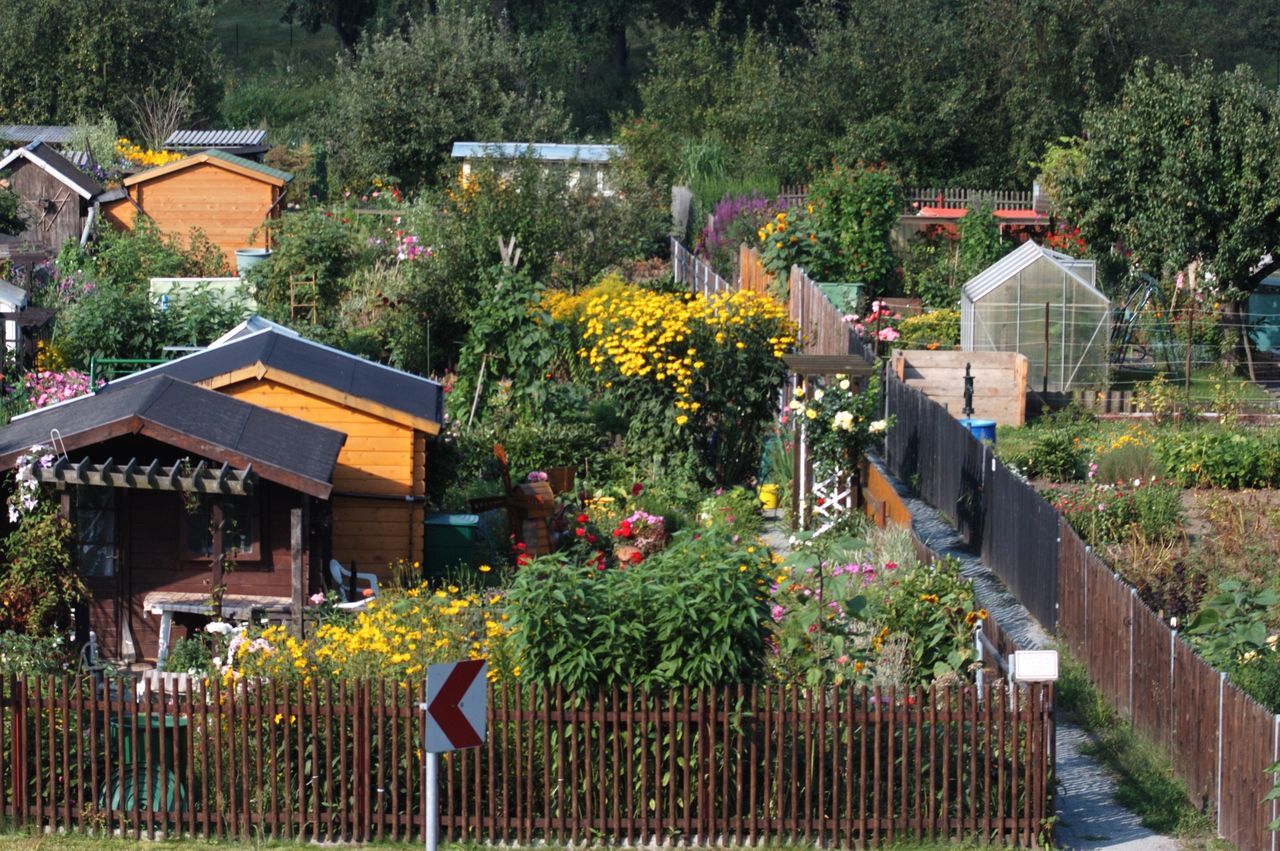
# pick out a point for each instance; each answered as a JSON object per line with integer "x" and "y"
{"x": 1184, "y": 511}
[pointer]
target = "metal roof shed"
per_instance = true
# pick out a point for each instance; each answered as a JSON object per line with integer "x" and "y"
{"x": 1009, "y": 305}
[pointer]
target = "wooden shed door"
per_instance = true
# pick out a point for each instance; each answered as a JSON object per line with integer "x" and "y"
{"x": 98, "y": 559}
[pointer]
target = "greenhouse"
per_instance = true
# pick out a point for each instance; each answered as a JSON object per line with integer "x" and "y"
{"x": 1040, "y": 302}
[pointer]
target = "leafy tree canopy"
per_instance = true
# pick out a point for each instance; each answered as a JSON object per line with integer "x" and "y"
{"x": 1185, "y": 166}
{"x": 74, "y": 58}
{"x": 401, "y": 102}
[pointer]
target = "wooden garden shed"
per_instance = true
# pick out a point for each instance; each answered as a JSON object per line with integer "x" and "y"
{"x": 59, "y": 199}
{"x": 226, "y": 196}
{"x": 387, "y": 415}
{"x": 160, "y": 478}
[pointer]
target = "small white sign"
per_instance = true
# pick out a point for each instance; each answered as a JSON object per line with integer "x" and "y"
{"x": 1035, "y": 666}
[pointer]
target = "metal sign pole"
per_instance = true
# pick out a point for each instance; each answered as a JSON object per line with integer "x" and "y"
{"x": 432, "y": 809}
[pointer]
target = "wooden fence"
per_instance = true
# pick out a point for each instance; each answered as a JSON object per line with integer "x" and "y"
{"x": 341, "y": 761}
{"x": 916, "y": 197}
{"x": 823, "y": 330}
{"x": 751, "y": 273}
{"x": 695, "y": 273}
{"x": 1220, "y": 740}
{"x": 996, "y": 513}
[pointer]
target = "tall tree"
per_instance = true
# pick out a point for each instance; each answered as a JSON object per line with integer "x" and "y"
{"x": 401, "y": 102}
{"x": 1183, "y": 167}
{"x": 60, "y": 61}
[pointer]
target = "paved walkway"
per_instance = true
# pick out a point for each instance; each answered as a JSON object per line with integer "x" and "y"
{"x": 1088, "y": 815}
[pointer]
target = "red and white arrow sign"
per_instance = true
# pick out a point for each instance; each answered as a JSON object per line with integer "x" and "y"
{"x": 456, "y": 694}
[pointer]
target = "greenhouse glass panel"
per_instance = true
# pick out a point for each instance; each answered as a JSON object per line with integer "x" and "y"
{"x": 1042, "y": 304}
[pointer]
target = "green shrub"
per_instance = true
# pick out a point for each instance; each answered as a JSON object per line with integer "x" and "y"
{"x": 1128, "y": 462}
{"x": 1056, "y": 455}
{"x": 191, "y": 654}
{"x": 1209, "y": 456}
{"x": 1114, "y": 513}
{"x": 937, "y": 329}
{"x": 691, "y": 614}
{"x": 28, "y": 655}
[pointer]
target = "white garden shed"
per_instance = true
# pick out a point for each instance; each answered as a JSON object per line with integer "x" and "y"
{"x": 1032, "y": 293}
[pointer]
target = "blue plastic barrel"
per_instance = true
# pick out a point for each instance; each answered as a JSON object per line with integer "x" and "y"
{"x": 981, "y": 429}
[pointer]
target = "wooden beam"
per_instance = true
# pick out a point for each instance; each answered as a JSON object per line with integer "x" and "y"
{"x": 297, "y": 568}
{"x": 851, "y": 365}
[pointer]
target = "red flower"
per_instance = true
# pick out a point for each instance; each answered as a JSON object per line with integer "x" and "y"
{"x": 637, "y": 557}
{"x": 637, "y": 489}
{"x": 523, "y": 559}
{"x": 591, "y": 539}
{"x": 521, "y": 546}
{"x": 582, "y": 518}
{"x": 580, "y": 531}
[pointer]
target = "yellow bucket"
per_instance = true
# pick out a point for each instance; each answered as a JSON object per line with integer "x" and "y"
{"x": 769, "y": 496}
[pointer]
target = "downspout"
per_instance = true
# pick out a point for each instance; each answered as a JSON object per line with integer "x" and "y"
{"x": 88, "y": 223}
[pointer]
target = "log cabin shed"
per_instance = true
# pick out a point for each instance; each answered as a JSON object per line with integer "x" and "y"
{"x": 145, "y": 472}
{"x": 226, "y": 196}
{"x": 387, "y": 415}
{"x": 60, "y": 201}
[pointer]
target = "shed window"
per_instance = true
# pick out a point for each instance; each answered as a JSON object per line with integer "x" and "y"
{"x": 96, "y": 532}
{"x": 241, "y": 530}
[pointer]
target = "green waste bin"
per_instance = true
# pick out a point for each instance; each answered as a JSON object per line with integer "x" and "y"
{"x": 161, "y": 787}
{"x": 454, "y": 547}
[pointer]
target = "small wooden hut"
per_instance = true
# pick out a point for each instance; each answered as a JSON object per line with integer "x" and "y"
{"x": 226, "y": 196}
{"x": 184, "y": 500}
{"x": 379, "y": 497}
{"x": 59, "y": 199}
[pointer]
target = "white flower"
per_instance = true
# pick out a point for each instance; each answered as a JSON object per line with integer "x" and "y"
{"x": 843, "y": 421}
{"x": 877, "y": 426}
{"x": 1137, "y": 483}
{"x": 218, "y": 628}
{"x": 818, "y": 394}
{"x": 795, "y": 405}
{"x": 844, "y": 384}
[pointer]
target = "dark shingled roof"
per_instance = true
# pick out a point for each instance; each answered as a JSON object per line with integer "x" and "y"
{"x": 42, "y": 154}
{"x": 345, "y": 373}
{"x": 281, "y": 448}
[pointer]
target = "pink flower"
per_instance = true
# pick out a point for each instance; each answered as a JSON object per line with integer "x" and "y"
{"x": 888, "y": 334}
{"x": 316, "y": 599}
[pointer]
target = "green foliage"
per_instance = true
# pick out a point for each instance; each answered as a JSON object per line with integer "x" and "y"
{"x": 110, "y": 322}
{"x": 30, "y": 655}
{"x": 1177, "y": 170}
{"x": 1103, "y": 514}
{"x": 857, "y": 208}
{"x": 1216, "y": 456}
{"x": 1057, "y": 456}
{"x": 691, "y": 614}
{"x": 1128, "y": 462}
{"x": 860, "y": 608}
{"x": 936, "y": 329}
{"x": 1231, "y": 627}
{"x": 313, "y": 243}
{"x": 842, "y": 420}
{"x": 979, "y": 244}
{"x": 401, "y": 102}
{"x": 511, "y": 340}
{"x": 38, "y": 583}
{"x": 198, "y": 316}
{"x": 190, "y": 655}
{"x": 89, "y": 57}
{"x": 11, "y": 219}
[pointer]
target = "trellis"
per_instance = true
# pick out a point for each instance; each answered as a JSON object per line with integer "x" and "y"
{"x": 182, "y": 476}
{"x": 817, "y": 502}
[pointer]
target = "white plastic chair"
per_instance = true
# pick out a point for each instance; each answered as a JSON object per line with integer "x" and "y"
{"x": 342, "y": 578}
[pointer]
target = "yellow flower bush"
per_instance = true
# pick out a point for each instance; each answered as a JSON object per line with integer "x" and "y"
{"x": 696, "y": 370}
{"x": 396, "y": 638}
{"x": 136, "y": 154}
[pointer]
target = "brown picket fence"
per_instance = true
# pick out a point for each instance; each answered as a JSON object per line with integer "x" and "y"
{"x": 342, "y": 761}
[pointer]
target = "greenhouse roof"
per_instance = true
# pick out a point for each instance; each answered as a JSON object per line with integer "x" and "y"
{"x": 1020, "y": 258}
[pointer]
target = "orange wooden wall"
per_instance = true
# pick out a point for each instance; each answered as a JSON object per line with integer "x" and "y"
{"x": 379, "y": 457}
{"x": 227, "y": 206}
